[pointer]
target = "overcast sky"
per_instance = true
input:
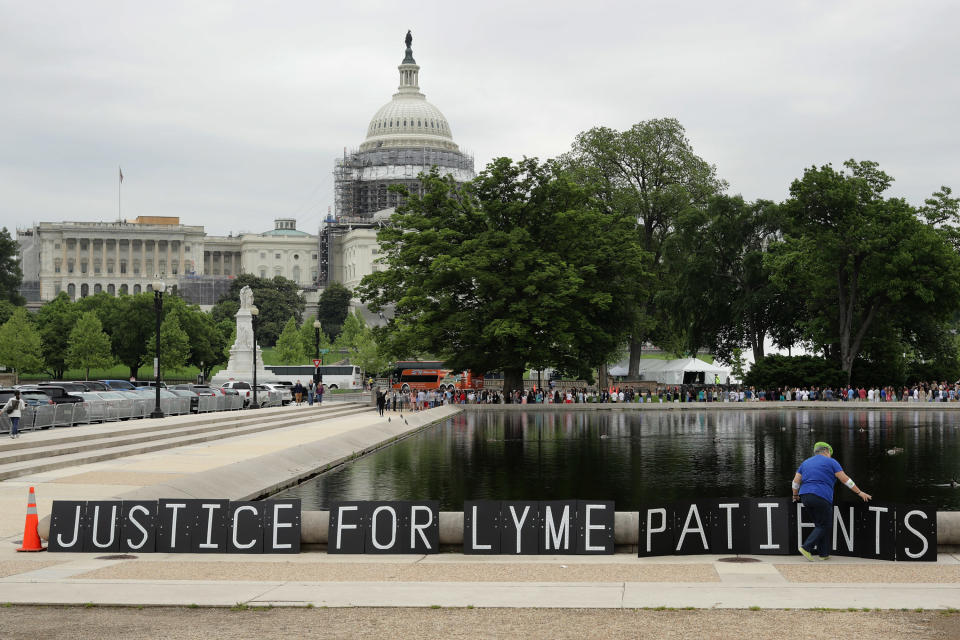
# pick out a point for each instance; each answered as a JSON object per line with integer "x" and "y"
{"x": 230, "y": 114}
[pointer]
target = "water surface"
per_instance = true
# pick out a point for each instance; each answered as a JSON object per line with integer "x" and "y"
{"x": 643, "y": 457}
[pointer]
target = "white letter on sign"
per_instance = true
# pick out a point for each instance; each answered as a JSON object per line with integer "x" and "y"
{"x": 143, "y": 541}
{"x": 393, "y": 527}
{"x": 693, "y": 513}
{"x": 906, "y": 523}
{"x": 650, "y": 529}
{"x": 236, "y": 517}
{"x": 209, "y": 543}
{"x": 729, "y": 507}
{"x": 876, "y": 528}
{"x": 176, "y": 506}
{"x": 341, "y": 525}
{"x": 769, "y": 506}
{"x": 418, "y": 528}
{"x": 280, "y": 525}
{"x": 588, "y": 527}
{"x": 519, "y": 523}
{"x": 563, "y": 532}
{"x": 113, "y": 521}
{"x": 477, "y": 545}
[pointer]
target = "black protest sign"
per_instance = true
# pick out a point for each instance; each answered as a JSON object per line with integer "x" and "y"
{"x": 520, "y": 534}
{"x": 209, "y": 532}
{"x": 557, "y": 527}
{"x": 595, "y": 527}
{"x": 691, "y": 527}
{"x": 730, "y": 525}
{"x": 245, "y": 527}
{"x": 67, "y": 526}
{"x": 420, "y": 528}
{"x": 383, "y": 531}
{"x": 175, "y": 518}
{"x": 138, "y": 526}
{"x": 481, "y": 527}
{"x": 770, "y": 526}
{"x": 916, "y": 533}
{"x": 877, "y": 531}
{"x": 281, "y": 526}
{"x": 102, "y": 532}
{"x": 845, "y": 520}
{"x": 348, "y": 527}
{"x": 655, "y": 537}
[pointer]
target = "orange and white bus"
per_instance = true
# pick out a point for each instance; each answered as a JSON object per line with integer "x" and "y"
{"x": 430, "y": 375}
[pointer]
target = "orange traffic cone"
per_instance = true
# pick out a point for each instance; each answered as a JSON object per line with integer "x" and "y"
{"x": 31, "y": 539}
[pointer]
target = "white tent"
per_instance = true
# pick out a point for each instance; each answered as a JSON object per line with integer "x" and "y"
{"x": 689, "y": 370}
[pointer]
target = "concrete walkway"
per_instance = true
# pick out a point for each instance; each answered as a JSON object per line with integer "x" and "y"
{"x": 449, "y": 580}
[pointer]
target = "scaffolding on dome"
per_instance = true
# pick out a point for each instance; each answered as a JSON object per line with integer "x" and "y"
{"x": 362, "y": 178}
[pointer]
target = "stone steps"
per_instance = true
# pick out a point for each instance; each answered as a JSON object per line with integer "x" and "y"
{"x": 96, "y": 447}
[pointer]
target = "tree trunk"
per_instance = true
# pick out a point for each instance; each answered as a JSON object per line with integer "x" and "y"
{"x": 512, "y": 379}
{"x": 86, "y": 376}
{"x": 758, "y": 352}
{"x": 133, "y": 372}
{"x": 636, "y": 350}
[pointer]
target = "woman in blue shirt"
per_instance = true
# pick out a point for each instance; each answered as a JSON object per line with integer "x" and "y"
{"x": 813, "y": 486}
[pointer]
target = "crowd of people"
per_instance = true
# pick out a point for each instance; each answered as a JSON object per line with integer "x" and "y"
{"x": 392, "y": 400}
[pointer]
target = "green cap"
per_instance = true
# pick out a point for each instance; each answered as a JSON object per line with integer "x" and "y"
{"x": 823, "y": 445}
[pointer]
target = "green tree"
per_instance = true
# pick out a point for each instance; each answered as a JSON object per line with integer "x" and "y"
{"x": 89, "y": 346}
{"x": 130, "y": 321}
{"x": 6, "y": 310}
{"x": 333, "y": 308}
{"x": 277, "y": 299}
{"x": 11, "y": 275}
{"x": 648, "y": 174}
{"x": 289, "y": 347}
{"x": 862, "y": 262}
{"x": 308, "y": 338}
{"x": 174, "y": 344}
{"x": 55, "y": 321}
{"x": 517, "y": 267}
{"x": 722, "y": 296}
{"x": 20, "y": 345}
{"x": 208, "y": 344}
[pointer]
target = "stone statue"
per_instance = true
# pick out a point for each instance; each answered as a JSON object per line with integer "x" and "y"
{"x": 246, "y": 297}
{"x": 408, "y": 39}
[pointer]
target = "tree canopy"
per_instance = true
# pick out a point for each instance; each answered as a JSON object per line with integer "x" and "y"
{"x": 20, "y": 346}
{"x": 651, "y": 175}
{"x": 11, "y": 275}
{"x": 88, "y": 346}
{"x": 277, "y": 299}
{"x": 520, "y": 266}
{"x": 333, "y": 308}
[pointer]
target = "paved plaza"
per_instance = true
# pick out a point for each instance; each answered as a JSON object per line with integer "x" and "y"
{"x": 445, "y": 587}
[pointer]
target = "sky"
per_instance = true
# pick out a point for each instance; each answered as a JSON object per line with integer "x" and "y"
{"x": 230, "y": 114}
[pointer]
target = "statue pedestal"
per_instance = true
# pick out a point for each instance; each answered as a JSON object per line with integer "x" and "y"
{"x": 241, "y": 363}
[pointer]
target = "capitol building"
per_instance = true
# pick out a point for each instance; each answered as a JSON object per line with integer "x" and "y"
{"x": 406, "y": 137}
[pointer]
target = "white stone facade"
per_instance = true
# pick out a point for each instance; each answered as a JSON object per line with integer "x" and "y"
{"x": 85, "y": 258}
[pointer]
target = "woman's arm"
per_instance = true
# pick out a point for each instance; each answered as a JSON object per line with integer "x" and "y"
{"x": 847, "y": 480}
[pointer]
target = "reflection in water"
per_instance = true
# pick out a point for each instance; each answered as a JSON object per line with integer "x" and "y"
{"x": 643, "y": 457}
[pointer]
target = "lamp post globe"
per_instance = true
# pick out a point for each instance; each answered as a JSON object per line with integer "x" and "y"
{"x": 254, "y": 312}
{"x": 159, "y": 286}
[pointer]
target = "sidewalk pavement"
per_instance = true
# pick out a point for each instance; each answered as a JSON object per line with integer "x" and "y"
{"x": 454, "y": 580}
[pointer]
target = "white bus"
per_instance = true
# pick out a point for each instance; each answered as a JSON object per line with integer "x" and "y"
{"x": 335, "y": 376}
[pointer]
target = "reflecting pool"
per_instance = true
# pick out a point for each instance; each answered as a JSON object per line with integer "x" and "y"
{"x": 641, "y": 457}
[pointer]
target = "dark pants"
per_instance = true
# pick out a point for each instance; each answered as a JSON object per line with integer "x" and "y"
{"x": 820, "y": 539}
{"x": 14, "y": 426}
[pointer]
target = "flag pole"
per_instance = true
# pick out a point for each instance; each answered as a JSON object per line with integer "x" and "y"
{"x": 119, "y": 185}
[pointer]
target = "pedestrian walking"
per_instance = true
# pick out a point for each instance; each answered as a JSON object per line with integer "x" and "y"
{"x": 381, "y": 401}
{"x": 12, "y": 409}
{"x": 813, "y": 486}
{"x": 298, "y": 392}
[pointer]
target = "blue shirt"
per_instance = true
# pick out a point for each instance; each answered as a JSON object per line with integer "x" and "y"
{"x": 818, "y": 475}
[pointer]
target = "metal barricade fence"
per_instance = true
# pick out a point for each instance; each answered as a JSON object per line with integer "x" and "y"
{"x": 6, "y": 425}
{"x": 26, "y": 419}
{"x": 234, "y": 403}
{"x": 206, "y": 404}
{"x": 80, "y": 413}
{"x": 110, "y": 413}
{"x": 43, "y": 416}
{"x": 95, "y": 410}
{"x": 63, "y": 415}
{"x": 168, "y": 406}
{"x": 125, "y": 408}
{"x": 221, "y": 402}
{"x": 184, "y": 405}
{"x": 142, "y": 407}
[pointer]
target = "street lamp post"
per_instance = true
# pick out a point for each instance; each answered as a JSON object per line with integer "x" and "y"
{"x": 254, "y": 312}
{"x": 159, "y": 286}
{"x": 316, "y": 328}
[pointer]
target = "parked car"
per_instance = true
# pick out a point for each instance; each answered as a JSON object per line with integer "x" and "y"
{"x": 95, "y": 385}
{"x": 69, "y": 387}
{"x": 58, "y": 395}
{"x": 186, "y": 393}
{"x": 124, "y": 385}
{"x": 30, "y": 398}
{"x": 241, "y": 387}
{"x": 286, "y": 394}
{"x": 149, "y": 384}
